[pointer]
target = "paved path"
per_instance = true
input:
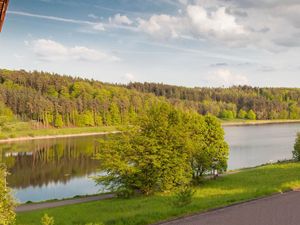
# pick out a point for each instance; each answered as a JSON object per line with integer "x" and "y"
{"x": 281, "y": 209}
{"x": 47, "y": 205}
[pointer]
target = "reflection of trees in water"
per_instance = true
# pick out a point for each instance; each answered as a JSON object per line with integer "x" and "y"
{"x": 42, "y": 162}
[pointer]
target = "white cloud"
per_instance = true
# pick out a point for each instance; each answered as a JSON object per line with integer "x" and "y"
{"x": 128, "y": 77}
{"x": 217, "y": 23}
{"x": 93, "y": 16}
{"x": 224, "y": 77}
{"x": 119, "y": 19}
{"x": 161, "y": 26}
{"x": 196, "y": 22}
{"x": 49, "y": 50}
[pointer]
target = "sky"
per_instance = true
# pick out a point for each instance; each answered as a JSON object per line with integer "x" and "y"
{"x": 215, "y": 43}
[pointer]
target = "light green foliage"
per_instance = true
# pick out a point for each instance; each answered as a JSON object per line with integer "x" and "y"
{"x": 58, "y": 122}
{"x": 184, "y": 196}
{"x": 47, "y": 220}
{"x": 215, "y": 152}
{"x": 242, "y": 114}
{"x": 227, "y": 114}
{"x": 165, "y": 141}
{"x": 7, "y": 215}
{"x": 296, "y": 152}
{"x": 251, "y": 115}
{"x": 115, "y": 114}
{"x": 146, "y": 157}
{"x": 6, "y": 115}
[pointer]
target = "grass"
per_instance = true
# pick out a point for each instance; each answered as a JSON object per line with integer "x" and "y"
{"x": 25, "y": 129}
{"x": 245, "y": 185}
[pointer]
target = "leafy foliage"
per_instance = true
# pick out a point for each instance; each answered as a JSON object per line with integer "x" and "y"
{"x": 63, "y": 101}
{"x": 7, "y": 215}
{"x": 266, "y": 103}
{"x": 184, "y": 196}
{"x": 47, "y": 220}
{"x": 296, "y": 152}
{"x": 166, "y": 140}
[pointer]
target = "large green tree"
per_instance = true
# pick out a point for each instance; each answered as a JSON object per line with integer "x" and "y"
{"x": 167, "y": 149}
{"x": 151, "y": 157}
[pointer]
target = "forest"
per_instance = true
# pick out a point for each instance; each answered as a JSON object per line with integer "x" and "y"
{"x": 64, "y": 101}
{"x": 242, "y": 102}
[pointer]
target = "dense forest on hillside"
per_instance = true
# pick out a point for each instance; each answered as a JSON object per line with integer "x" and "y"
{"x": 55, "y": 100}
{"x": 60, "y": 101}
{"x": 241, "y": 102}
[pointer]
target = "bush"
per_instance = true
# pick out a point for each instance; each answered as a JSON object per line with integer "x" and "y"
{"x": 47, "y": 220}
{"x": 184, "y": 196}
{"x": 7, "y": 214}
{"x": 296, "y": 152}
{"x": 251, "y": 115}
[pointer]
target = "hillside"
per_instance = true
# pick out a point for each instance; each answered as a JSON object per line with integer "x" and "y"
{"x": 229, "y": 103}
{"x": 53, "y": 100}
{"x": 64, "y": 101}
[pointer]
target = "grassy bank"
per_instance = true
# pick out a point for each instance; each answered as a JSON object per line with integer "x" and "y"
{"x": 240, "y": 122}
{"x": 245, "y": 185}
{"x": 24, "y": 129}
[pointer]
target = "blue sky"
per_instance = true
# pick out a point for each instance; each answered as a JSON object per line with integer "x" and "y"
{"x": 181, "y": 42}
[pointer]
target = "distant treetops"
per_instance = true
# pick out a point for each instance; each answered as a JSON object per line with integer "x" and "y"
{"x": 64, "y": 101}
{"x": 242, "y": 102}
{"x": 168, "y": 148}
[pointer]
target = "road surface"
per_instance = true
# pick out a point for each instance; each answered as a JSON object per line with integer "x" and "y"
{"x": 281, "y": 209}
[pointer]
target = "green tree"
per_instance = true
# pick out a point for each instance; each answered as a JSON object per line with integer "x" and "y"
{"x": 146, "y": 157}
{"x": 227, "y": 114}
{"x": 251, "y": 115}
{"x": 214, "y": 152}
{"x": 58, "y": 122}
{"x": 296, "y": 152}
{"x": 242, "y": 114}
{"x": 7, "y": 215}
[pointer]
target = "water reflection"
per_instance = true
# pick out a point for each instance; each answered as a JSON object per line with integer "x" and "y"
{"x": 61, "y": 168}
{"x": 54, "y": 168}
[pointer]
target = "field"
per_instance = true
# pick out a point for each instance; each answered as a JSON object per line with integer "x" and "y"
{"x": 233, "y": 188}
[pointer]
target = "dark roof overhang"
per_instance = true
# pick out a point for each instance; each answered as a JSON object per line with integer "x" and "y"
{"x": 3, "y": 9}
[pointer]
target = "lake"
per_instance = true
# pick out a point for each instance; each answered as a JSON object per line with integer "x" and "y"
{"x": 62, "y": 168}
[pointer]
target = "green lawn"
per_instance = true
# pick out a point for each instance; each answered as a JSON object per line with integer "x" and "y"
{"x": 24, "y": 129}
{"x": 229, "y": 189}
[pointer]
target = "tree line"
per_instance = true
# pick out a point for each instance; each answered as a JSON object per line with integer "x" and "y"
{"x": 65, "y": 101}
{"x": 54, "y": 100}
{"x": 241, "y": 102}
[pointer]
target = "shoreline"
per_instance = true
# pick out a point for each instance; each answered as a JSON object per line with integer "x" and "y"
{"x": 257, "y": 122}
{"x": 19, "y": 139}
{"x": 223, "y": 123}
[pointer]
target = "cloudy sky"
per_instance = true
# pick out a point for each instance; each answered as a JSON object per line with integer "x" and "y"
{"x": 182, "y": 42}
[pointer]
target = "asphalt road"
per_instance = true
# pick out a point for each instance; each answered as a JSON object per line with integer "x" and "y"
{"x": 281, "y": 209}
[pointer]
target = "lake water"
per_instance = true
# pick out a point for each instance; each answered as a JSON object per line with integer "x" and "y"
{"x": 62, "y": 168}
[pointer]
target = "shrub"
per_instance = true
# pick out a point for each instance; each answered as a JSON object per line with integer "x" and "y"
{"x": 251, "y": 115}
{"x": 47, "y": 220}
{"x": 7, "y": 214}
{"x": 296, "y": 152}
{"x": 184, "y": 196}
